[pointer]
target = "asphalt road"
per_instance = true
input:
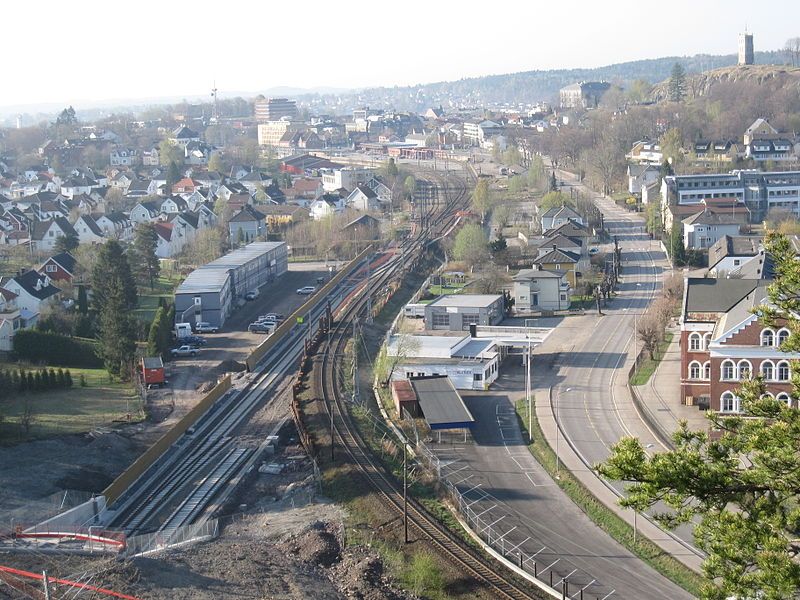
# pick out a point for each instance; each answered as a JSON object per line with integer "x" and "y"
{"x": 530, "y": 512}
{"x": 585, "y": 370}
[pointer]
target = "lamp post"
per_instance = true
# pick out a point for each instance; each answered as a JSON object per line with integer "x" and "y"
{"x": 558, "y": 428}
{"x": 528, "y": 369}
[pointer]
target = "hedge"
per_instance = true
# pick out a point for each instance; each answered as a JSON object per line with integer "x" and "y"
{"x": 42, "y": 347}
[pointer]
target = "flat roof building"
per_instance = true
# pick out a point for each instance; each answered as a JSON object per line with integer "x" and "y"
{"x": 456, "y": 312}
{"x": 210, "y": 293}
{"x": 441, "y": 404}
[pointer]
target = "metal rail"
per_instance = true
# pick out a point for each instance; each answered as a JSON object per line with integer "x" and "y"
{"x": 355, "y": 447}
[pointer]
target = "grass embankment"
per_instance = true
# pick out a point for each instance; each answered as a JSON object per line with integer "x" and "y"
{"x": 76, "y": 410}
{"x": 647, "y": 367}
{"x": 442, "y": 290}
{"x": 602, "y": 516}
{"x": 148, "y": 299}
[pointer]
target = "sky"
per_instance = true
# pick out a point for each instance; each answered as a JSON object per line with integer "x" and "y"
{"x": 87, "y": 51}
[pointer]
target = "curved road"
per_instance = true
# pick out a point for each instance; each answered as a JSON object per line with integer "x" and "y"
{"x": 587, "y": 384}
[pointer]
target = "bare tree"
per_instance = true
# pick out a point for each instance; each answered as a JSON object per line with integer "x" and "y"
{"x": 28, "y": 417}
{"x": 649, "y": 331}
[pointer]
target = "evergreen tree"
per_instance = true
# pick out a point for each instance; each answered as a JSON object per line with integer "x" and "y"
{"x": 14, "y": 377}
{"x": 677, "y": 83}
{"x": 83, "y": 302}
{"x": 117, "y": 335}
{"x": 31, "y": 381}
{"x": 66, "y": 243}
{"x": 553, "y": 182}
{"x": 37, "y": 386}
{"x": 68, "y": 378}
{"x": 22, "y": 381}
{"x": 144, "y": 262}
{"x": 61, "y": 381}
{"x": 160, "y": 334}
{"x": 112, "y": 271}
{"x": 677, "y": 250}
{"x": 52, "y": 379}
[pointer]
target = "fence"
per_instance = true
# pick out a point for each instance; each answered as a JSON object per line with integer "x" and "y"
{"x": 149, "y": 543}
{"x": 481, "y": 513}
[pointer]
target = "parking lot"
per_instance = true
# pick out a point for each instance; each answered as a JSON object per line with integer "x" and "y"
{"x": 234, "y": 342}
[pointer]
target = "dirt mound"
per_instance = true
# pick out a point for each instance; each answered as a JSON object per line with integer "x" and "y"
{"x": 231, "y": 366}
{"x": 318, "y": 545}
{"x": 360, "y": 575}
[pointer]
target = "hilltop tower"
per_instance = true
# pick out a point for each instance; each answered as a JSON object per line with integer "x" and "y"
{"x": 745, "y": 48}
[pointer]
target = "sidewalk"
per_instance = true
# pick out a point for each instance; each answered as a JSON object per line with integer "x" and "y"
{"x": 660, "y": 396}
{"x": 603, "y": 492}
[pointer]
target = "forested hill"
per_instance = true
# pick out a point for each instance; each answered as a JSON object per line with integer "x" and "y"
{"x": 534, "y": 86}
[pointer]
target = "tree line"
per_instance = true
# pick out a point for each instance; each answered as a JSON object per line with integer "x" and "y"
{"x": 14, "y": 381}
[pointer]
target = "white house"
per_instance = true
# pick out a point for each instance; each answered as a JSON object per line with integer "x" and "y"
{"x": 173, "y": 205}
{"x": 326, "y": 206}
{"x": 123, "y": 157}
{"x": 642, "y": 175}
{"x": 145, "y": 212}
{"x": 89, "y": 232}
{"x": 114, "y": 225}
{"x": 557, "y": 216}
{"x": 34, "y": 291}
{"x": 12, "y": 319}
{"x": 537, "y": 290}
{"x": 381, "y": 189}
{"x": 363, "y": 198}
{"x": 706, "y": 228}
{"x": 45, "y": 233}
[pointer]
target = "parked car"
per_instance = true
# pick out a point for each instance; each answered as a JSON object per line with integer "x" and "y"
{"x": 194, "y": 340}
{"x": 593, "y": 250}
{"x": 205, "y": 327}
{"x": 272, "y": 317}
{"x": 251, "y": 295}
{"x": 185, "y": 350}
{"x": 307, "y": 290}
{"x": 261, "y": 327}
{"x": 320, "y": 280}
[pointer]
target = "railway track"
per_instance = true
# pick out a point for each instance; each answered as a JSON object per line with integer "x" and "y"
{"x": 491, "y": 575}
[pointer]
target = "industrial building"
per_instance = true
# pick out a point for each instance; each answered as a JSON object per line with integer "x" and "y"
{"x": 212, "y": 292}
{"x": 456, "y": 312}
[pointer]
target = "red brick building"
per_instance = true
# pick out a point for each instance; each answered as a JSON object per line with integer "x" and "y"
{"x": 723, "y": 343}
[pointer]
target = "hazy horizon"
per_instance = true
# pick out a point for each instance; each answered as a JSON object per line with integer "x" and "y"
{"x": 361, "y": 45}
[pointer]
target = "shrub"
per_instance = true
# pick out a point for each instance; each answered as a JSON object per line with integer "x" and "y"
{"x": 44, "y": 347}
{"x": 83, "y": 380}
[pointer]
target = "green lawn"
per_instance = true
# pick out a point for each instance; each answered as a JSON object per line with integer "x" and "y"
{"x": 441, "y": 290}
{"x": 647, "y": 366}
{"x": 148, "y": 299}
{"x": 74, "y": 410}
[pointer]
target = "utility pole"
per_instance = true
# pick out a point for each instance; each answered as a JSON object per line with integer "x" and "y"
{"x": 369, "y": 295}
{"x": 405, "y": 492}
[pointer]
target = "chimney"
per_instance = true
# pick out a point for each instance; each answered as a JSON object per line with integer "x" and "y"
{"x": 555, "y": 246}
{"x": 473, "y": 330}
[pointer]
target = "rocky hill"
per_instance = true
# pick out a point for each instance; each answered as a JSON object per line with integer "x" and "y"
{"x": 701, "y": 84}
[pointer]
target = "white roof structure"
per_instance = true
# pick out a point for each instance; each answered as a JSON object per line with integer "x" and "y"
{"x": 213, "y": 276}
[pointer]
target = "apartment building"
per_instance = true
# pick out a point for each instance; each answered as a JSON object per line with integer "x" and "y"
{"x": 761, "y": 191}
{"x": 271, "y": 132}
{"x": 274, "y": 109}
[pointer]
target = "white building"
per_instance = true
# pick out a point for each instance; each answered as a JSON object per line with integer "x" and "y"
{"x": 346, "y": 177}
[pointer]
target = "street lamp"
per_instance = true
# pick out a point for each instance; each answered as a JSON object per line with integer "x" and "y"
{"x": 558, "y": 427}
{"x": 528, "y": 379}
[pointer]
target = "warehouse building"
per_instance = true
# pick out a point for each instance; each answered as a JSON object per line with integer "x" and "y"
{"x": 457, "y": 312}
{"x": 212, "y": 292}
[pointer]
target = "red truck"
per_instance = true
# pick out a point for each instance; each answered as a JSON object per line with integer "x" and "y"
{"x": 153, "y": 371}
